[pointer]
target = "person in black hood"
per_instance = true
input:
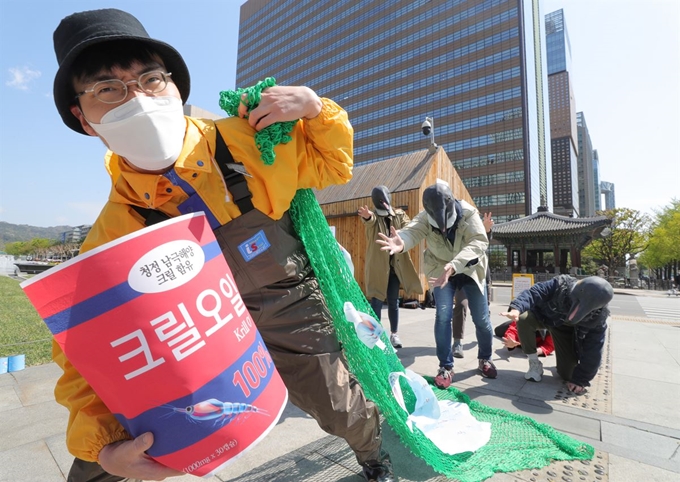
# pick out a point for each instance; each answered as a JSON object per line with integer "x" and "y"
{"x": 385, "y": 273}
{"x": 575, "y": 313}
{"x": 455, "y": 258}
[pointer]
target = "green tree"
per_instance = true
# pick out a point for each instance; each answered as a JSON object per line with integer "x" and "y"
{"x": 18, "y": 248}
{"x": 629, "y": 234}
{"x": 664, "y": 241}
{"x": 40, "y": 247}
{"x": 497, "y": 259}
{"x": 589, "y": 265}
{"x": 64, "y": 251}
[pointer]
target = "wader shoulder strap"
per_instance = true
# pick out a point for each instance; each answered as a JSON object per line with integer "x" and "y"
{"x": 151, "y": 216}
{"x": 236, "y": 183}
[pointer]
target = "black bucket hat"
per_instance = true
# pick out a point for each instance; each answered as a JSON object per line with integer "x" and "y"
{"x": 81, "y": 30}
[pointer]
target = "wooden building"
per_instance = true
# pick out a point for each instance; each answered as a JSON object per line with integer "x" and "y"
{"x": 406, "y": 177}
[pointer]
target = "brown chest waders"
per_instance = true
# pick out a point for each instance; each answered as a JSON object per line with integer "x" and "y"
{"x": 282, "y": 293}
{"x": 284, "y": 299}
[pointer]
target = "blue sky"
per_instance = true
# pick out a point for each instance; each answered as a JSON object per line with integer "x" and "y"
{"x": 625, "y": 70}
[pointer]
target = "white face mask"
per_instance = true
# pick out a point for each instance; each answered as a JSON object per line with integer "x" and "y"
{"x": 147, "y": 131}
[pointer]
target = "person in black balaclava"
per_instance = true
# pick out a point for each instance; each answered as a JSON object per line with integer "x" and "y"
{"x": 455, "y": 258}
{"x": 384, "y": 273}
{"x": 575, "y": 313}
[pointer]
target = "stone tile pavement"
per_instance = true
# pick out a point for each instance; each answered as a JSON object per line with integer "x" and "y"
{"x": 631, "y": 415}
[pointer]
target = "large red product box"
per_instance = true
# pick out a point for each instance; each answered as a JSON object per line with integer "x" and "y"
{"x": 156, "y": 325}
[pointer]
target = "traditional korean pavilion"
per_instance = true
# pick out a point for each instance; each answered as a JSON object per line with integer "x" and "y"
{"x": 527, "y": 239}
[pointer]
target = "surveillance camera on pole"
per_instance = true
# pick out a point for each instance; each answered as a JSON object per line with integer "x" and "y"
{"x": 427, "y": 127}
{"x": 428, "y": 130}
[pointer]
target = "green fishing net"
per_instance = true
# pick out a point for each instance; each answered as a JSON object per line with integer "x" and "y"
{"x": 267, "y": 138}
{"x": 517, "y": 441}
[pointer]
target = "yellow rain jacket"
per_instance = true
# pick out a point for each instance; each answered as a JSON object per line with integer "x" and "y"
{"x": 319, "y": 155}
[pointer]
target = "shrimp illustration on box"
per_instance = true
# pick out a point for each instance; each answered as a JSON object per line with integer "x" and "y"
{"x": 220, "y": 412}
{"x": 173, "y": 333}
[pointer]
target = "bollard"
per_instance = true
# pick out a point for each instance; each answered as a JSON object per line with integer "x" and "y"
{"x": 16, "y": 363}
{"x": 3, "y": 365}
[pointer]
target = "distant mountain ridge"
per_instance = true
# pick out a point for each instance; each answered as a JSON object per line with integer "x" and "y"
{"x": 11, "y": 233}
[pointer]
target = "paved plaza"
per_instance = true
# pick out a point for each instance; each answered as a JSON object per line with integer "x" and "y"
{"x": 630, "y": 415}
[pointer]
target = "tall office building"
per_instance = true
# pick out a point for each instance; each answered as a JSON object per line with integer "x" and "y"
{"x": 474, "y": 66}
{"x": 586, "y": 171}
{"x": 596, "y": 181}
{"x": 76, "y": 234}
{"x": 607, "y": 188}
{"x": 563, "y": 146}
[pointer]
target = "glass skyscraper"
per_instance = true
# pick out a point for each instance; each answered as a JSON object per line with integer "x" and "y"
{"x": 474, "y": 66}
{"x": 586, "y": 169}
{"x": 609, "y": 191}
{"x": 563, "y": 130}
{"x": 596, "y": 181}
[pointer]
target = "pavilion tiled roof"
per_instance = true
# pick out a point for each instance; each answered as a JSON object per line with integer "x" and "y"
{"x": 544, "y": 222}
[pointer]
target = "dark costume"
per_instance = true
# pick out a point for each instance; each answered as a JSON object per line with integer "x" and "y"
{"x": 564, "y": 308}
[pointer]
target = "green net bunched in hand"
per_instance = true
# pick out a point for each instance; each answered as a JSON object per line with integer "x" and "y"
{"x": 517, "y": 441}
{"x": 267, "y": 138}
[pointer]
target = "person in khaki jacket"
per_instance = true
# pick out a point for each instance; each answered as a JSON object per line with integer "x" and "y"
{"x": 384, "y": 272}
{"x": 455, "y": 258}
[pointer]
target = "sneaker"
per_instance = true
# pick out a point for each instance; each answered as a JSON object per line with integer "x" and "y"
{"x": 379, "y": 470}
{"x": 458, "y": 351}
{"x": 487, "y": 368}
{"x": 535, "y": 371}
{"x": 443, "y": 378}
{"x": 394, "y": 339}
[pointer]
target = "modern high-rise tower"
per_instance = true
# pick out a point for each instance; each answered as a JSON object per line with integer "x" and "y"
{"x": 586, "y": 171}
{"x": 474, "y": 66}
{"x": 596, "y": 181}
{"x": 563, "y": 134}
{"x": 607, "y": 188}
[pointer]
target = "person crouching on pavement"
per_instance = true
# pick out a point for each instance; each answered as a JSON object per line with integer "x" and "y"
{"x": 455, "y": 258}
{"x": 575, "y": 313}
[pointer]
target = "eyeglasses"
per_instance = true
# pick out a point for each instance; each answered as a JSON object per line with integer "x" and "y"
{"x": 114, "y": 91}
